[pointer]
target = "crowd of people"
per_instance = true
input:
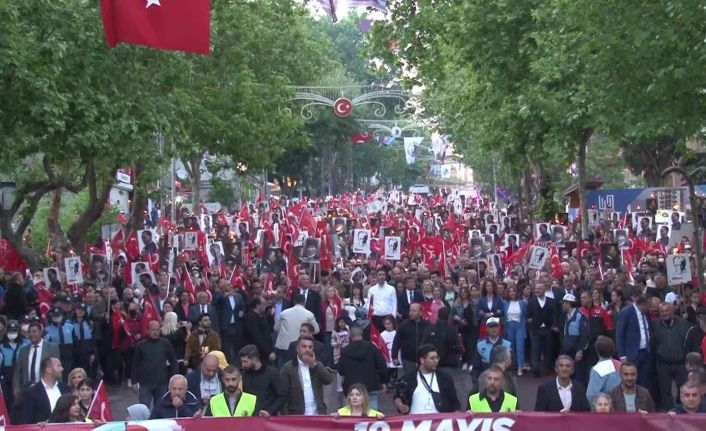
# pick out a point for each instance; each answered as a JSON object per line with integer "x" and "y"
{"x": 247, "y": 316}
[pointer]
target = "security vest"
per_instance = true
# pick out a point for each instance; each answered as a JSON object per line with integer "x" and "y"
{"x": 219, "y": 405}
{"x": 479, "y": 405}
{"x": 346, "y": 411}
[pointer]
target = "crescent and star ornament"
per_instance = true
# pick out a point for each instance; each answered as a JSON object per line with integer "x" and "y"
{"x": 343, "y": 107}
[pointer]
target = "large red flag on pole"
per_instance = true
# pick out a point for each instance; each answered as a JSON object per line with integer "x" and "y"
{"x": 177, "y": 25}
{"x": 100, "y": 406}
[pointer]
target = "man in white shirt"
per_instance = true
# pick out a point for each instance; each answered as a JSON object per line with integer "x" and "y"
{"x": 39, "y": 400}
{"x": 383, "y": 299}
{"x": 415, "y": 396}
{"x": 288, "y": 325}
{"x": 303, "y": 380}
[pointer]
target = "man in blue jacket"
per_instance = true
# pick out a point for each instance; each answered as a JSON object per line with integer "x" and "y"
{"x": 574, "y": 343}
{"x": 632, "y": 335}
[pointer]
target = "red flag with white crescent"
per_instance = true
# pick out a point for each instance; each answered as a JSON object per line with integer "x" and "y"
{"x": 100, "y": 406}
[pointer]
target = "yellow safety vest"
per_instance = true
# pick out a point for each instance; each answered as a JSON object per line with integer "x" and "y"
{"x": 219, "y": 405}
{"x": 346, "y": 411}
{"x": 479, "y": 405}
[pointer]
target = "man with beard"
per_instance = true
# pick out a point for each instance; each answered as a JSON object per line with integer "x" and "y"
{"x": 232, "y": 402}
{"x": 261, "y": 380}
{"x": 201, "y": 342}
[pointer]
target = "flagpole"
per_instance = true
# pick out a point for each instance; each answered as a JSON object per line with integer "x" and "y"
{"x": 95, "y": 396}
{"x": 173, "y": 191}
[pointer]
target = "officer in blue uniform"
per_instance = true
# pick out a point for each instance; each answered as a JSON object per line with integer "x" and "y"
{"x": 60, "y": 331}
{"x": 484, "y": 347}
{"x": 84, "y": 346}
{"x": 576, "y": 336}
{"x": 9, "y": 349}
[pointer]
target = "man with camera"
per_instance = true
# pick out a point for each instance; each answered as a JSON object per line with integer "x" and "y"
{"x": 426, "y": 390}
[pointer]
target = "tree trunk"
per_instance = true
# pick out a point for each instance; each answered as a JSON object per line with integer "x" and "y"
{"x": 97, "y": 197}
{"x": 57, "y": 238}
{"x": 583, "y": 210}
{"x": 194, "y": 168}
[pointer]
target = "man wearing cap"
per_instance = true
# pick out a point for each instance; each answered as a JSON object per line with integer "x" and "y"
{"x": 9, "y": 348}
{"x": 484, "y": 347}
{"x": 60, "y": 331}
{"x": 576, "y": 336}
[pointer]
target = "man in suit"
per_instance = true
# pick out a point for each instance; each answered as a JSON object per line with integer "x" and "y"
{"x": 633, "y": 334}
{"x": 203, "y": 307}
{"x": 205, "y": 381}
{"x": 27, "y": 370}
{"x": 408, "y": 297}
{"x": 231, "y": 309}
{"x": 540, "y": 319}
{"x": 562, "y": 394}
{"x": 305, "y": 373}
{"x": 312, "y": 299}
{"x": 289, "y": 325}
{"x": 40, "y": 399}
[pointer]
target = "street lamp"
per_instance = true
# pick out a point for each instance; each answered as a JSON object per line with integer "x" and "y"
{"x": 698, "y": 229}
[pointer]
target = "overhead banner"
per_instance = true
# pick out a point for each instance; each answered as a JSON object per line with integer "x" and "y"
{"x": 436, "y": 422}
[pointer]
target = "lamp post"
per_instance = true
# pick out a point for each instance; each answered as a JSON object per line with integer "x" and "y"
{"x": 698, "y": 230}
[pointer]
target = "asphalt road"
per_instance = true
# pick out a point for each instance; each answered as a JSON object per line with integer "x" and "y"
{"x": 122, "y": 397}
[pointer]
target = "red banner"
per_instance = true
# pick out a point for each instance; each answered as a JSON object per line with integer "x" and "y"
{"x": 438, "y": 422}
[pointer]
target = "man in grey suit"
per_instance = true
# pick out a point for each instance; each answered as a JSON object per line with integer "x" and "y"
{"x": 29, "y": 359}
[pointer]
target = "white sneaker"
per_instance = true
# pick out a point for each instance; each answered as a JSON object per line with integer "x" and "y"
{"x": 464, "y": 367}
{"x": 470, "y": 368}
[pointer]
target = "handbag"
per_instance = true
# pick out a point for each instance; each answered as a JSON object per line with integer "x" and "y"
{"x": 435, "y": 396}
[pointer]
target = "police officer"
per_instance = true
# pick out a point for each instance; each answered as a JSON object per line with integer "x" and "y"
{"x": 60, "y": 331}
{"x": 484, "y": 347}
{"x": 232, "y": 402}
{"x": 84, "y": 346}
{"x": 576, "y": 336}
{"x": 493, "y": 398}
{"x": 9, "y": 349}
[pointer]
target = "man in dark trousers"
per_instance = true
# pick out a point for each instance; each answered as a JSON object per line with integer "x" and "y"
{"x": 258, "y": 330}
{"x": 362, "y": 362}
{"x": 231, "y": 310}
{"x": 633, "y": 334}
{"x": 576, "y": 336}
{"x": 261, "y": 380}
{"x": 540, "y": 321}
{"x": 669, "y": 335}
{"x": 562, "y": 394}
{"x": 153, "y": 364}
{"x": 409, "y": 337}
{"x": 39, "y": 400}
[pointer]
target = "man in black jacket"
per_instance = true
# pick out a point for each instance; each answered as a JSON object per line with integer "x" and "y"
{"x": 153, "y": 363}
{"x": 362, "y": 362}
{"x": 562, "y": 394}
{"x": 408, "y": 339}
{"x": 426, "y": 390}
{"x": 178, "y": 402}
{"x": 540, "y": 321}
{"x": 261, "y": 380}
{"x": 695, "y": 334}
{"x": 257, "y": 330}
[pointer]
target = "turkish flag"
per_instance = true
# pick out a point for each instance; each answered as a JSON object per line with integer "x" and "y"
{"x": 100, "y": 407}
{"x": 177, "y": 25}
{"x": 4, "y": 415}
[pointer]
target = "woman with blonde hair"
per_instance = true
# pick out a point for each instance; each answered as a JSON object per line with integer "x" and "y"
{"x": 176, "y": 333}
{"x": 76, "y": 376}
{"x": 358, "y": 403}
